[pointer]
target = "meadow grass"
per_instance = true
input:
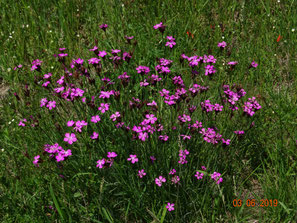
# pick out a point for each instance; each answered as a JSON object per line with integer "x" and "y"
{"x": 259, "y": 165}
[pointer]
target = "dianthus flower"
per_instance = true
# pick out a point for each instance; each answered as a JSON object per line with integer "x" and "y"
{"x": 141, "y": 173}
{"x": 160, "y": 180}
{"x": 170, "y": 207}
{"x": 70, "y": 138}
{"x": 133, "y": 159}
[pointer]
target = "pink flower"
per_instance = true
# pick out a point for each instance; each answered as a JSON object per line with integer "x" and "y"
{"x": 254, "y": 64}
{"x": 59, "y": 157}
{"x": 133, "y": 159}
{"x": 100, "y": 163}
{"x": 106, "y": 94}
{"x": 43, "y": 102}
{"x": 199, "y": 175}
{"x": 70, "y": 123}
{"x": 94, "y": 60}
{"x": 102, "y": 53}
{"x": 114, "y": 116}
{"x": 36, "y": 160}
{"x": 152, "y": 104}
{"x": 172, "y": 172}
{"x": 170, "y": 44}
{"x": 163, "y": 138}
{"x": 21, "y": 123}
{"x": 158, "y": 25}
{"x": 103, "y": 107}
{"x": 94, "y": 136}
{"x": 143, "y": 136}
{"x": 150, "y": 118}
{"x": 95, "y": 119}
{"x": 46, "y": 83}
{"x": 170, "y": 207}
{"x": 203, "y": 167}
{"x": 175, "y": 179}
{"x": 170, "y": 38}
{"x": 51, "y": 104}
{"x": 222, "y": 44}
{"x": 216, "y": 177}
{"x": 160, "y": 180}
{"x": 111, "y": 155}
{"x": 103, "y": 27}
{"x": 70, "y": 138}
{"x": 115, "y": 51}
{"x": 141, "y": 173}
{"x": 232, "y": 63}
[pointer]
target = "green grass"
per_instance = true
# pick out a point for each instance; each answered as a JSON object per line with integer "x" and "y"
{"x": 262, "y": 165}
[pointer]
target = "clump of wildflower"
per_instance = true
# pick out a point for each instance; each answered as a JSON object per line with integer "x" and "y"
{"x": 171, "y": 42}
{"x": 36, "y": 65}
{"x": 79, "y": 125}
{"x": 143, "y": 70}
{"x": 57, "y": 151}
{"x": 209, "y": 70}
{"x": 182, "y": 156}
{"x": 160, "y": 180}
{"x": 251, "y": 106}
{"x": 216, "y": 177}
{"x": 232, "y": 96}
{"x": 210, "y": 135}
{"x": 172, "y": 172}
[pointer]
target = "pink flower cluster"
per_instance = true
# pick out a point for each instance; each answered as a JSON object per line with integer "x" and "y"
{"x": 49, "y": 104}
{"x": 175, "y": 179}
{"x": 232, "y": 96}
{"x": 57, "y": 151}
{"x": 143, "y": 70}
{"x": 171, "y": 42}
{"x": 78, "y": 124}
{"x": 208, "y": 107}
{"x": 251, "y": 106}
{"x": 210, "y": 135}
{"x": 36, "y": 65}
{"x": 182, "y": 156}
{"x": 216, "y": 177}
{"x": 184, "y": 118}
{"x": 110, "y": 160}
